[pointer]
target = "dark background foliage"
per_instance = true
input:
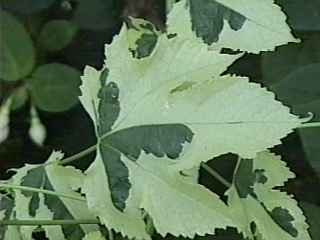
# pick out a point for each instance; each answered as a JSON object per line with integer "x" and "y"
{"x": 66, "y": 35}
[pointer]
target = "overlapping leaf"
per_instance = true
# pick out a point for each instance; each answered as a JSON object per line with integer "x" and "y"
{"x": 261, "y": 210}
{"x": 253, "y": 27}
{"x": 7, "y": 213}
{"x": 94, "y": 236}
{"x": 190, "y": 209}
{"x": 17, "y": 53}
{"x": 33, "y": 205}
{"x": 282, "y": 73}
{"x": 164, "y": 114}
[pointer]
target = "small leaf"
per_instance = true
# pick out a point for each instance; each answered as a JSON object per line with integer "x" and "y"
{"x": 34, "y": 205}
{"x": 263, "y": 210}
{"x": 38, "y": 178}
{"x": 57, "y": 34}
{"x": 7, "y": 213}
{"x": 17, "y": 54}
{"x": 55, "y": 87}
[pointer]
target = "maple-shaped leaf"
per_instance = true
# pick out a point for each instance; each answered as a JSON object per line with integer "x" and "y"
{"x": 258, "y": 25}
{"x": 7, "y": 213}
{"x": 66, "y": 204}
{"x": 258, "y": 208}
{"x": 172, "y": 106}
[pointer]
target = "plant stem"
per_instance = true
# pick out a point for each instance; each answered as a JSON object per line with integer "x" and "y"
{"x": 309, "y": 125}
{"x": 48, "y": 222}
{"x": 94, "y": 147}
{"x": 216, "y": 175}
{"x": 38, "y": 190}
{"x": 110, "y": 234}
{"x": 84, "y": 152}
{"x": 78, "y": 155}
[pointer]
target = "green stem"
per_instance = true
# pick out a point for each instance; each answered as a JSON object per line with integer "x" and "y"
{"x": 84, "y": 152}
{"x": 206, "y": 167}
{"x": 310, "y": 125}
{"x": 78, "y": 155}
{"x": 92, "y": 148}
{"x": 110, "y": 234}
{"x": 48, "y": 222}
{"x": 216, "y": 175}
{"x": 38, "y": 190}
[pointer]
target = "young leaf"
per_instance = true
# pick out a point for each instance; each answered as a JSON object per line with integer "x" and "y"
{"x": 17, "y": 54}
{"x": 257, "y": 208}
{"x": 252, "y": 27}
{"x": 35, "y": 205}
{"x": 55, "y": 87}
{"x": 7, "y": 213}
{"x": 57, "y": 34}
{"x": 172, "y": 107}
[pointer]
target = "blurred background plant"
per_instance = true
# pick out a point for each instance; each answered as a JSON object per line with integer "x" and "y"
{"x": 45, "y": 44}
